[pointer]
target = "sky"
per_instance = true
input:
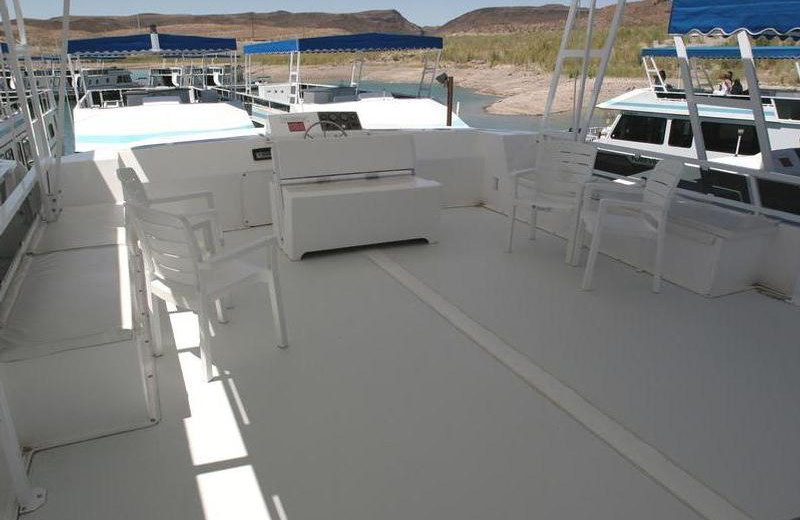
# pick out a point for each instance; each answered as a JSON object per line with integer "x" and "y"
{"x": 420, "y": 12}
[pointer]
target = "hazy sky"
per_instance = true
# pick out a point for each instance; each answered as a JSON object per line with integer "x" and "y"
{"x": 422, "y": 12}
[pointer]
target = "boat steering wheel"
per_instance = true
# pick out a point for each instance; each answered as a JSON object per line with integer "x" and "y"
{"x": 322, "y": 124}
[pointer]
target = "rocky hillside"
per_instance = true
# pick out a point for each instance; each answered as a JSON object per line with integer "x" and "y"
{"x": 505, "y": 19}
{"x": 243, "y": 26}
{"x": 512, "y": 19}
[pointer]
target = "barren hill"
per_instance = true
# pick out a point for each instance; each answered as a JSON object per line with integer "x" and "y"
{"x": 505, "y": 19}
{"x": 243, "y": 26}
{"x": 511, "y": 19}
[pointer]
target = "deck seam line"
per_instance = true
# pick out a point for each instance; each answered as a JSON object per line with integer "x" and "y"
{"x": 692, "y": 492}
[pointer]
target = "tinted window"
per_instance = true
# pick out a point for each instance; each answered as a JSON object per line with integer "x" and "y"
{"x": 640, "y": 129}
{"x": 780, "y": 196}
{"x": 680, "y": 134}
{"x": 788, "y": 108}
{"x": 724, "y": 137}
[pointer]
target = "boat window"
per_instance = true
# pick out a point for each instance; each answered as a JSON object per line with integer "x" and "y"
{"x": 788, "y": 108}
{"x": 640, "y": 129}
{"x": 680, "y": 134}
{"x": 725, "y": 137}
{"x": 779, "y": 196}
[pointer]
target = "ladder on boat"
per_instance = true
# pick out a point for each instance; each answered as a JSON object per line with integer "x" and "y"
{"x": 294, "y": 78}
{"x": 430, "y": 67}
{"x": 355, "y": 74}
{"x": 585, "y": 55}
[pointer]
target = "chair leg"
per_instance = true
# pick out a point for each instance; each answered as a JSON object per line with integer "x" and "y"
{"x": 534, "y": 216}
{"x": 658, "y": 264}
{"x": 206, "y": 332}
{"x": 588, "y": 275}
{"x": 577, "y": 248}
{"x": 275, "y": 300}
{"x": 158, "y": 313}
{"x": 227, "y": 301}
{"x": 574, "y": 216}
{"x": 511, "y": 220}
{"x": 222, "y": 316}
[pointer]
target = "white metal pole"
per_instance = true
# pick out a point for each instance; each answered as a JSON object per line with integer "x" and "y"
{"x": 13, "y": 62}
{"x": 29, "y": 498}
{"x": 587, "y": 57}
{"x": 551, "y": 96}
{"x": 605, "y": 58}
{"x": 62, "y": 106}
{"x": 691, "y": 100}
{"x": 748, "y": 63}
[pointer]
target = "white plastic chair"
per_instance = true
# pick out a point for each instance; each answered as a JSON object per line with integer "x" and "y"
{"x": 133, "y": 191}
{"x": 646, "y": 218}
{"x": 556, "y": 183}
{"x": 179, "y": 272}
{"x": 206, "y": 218}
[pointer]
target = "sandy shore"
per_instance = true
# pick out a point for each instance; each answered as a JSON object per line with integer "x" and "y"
{"x": 521, "y": 91}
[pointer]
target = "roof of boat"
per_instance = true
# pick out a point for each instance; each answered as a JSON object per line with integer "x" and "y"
{"x": 348, "y": 43}
{"x": 149, "y": 43}
{"x": 646, "y": 101}
{"x": 757, "y": 17}
{"x": 158, "y": 122}
{"x": 770, "y": 52}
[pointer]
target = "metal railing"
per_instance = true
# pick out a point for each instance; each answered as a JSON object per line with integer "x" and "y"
{"x": 751, "y": 177}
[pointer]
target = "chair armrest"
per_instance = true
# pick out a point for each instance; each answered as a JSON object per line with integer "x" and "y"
{"x": 207, "y": 195}
{"x": 201, "y": 215}
{"x": 238, "y": 252}
{"x": 606, "y": 204}
{"x": 592, "y": 188}
{"x": 520, "y": 173}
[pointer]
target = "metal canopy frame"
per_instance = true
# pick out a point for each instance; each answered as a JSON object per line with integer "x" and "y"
{"x": 357, "y": 43}
{"x": 583, "y": 111}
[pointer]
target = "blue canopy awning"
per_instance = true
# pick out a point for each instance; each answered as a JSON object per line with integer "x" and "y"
{"x": 724, "y": 17}
{"x": 144, "y": 43}
{"x": 727, "y": 53}
{"x": 365, "y": 42}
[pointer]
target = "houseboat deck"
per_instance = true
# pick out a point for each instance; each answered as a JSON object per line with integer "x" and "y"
{"x": 416, "y": 385}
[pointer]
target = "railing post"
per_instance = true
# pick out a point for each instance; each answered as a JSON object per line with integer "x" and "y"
{"x": 28, "y": 497}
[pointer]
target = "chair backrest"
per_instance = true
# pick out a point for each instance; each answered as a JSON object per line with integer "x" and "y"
{"x": 132, "y": 188}
{"x": 170, "y": 246}
{"x": 660, "y": 186}
{"x": 564, "y": 166}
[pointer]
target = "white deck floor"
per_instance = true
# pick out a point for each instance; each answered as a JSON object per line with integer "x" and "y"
{"x": 383, "y": 409}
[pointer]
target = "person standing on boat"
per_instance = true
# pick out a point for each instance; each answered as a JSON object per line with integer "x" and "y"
{"x": 724, "y": 88}
{"x": 663, "y": 86}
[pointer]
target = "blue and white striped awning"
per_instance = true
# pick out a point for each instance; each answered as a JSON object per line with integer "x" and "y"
{"x": 777, "y": 52}
{"x": 366, "y": 42}
{"x": 768, "y": 18}
{"x": 149, "y": 43}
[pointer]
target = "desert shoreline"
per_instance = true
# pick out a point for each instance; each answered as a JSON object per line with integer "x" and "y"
{"x": 520, "y": 91}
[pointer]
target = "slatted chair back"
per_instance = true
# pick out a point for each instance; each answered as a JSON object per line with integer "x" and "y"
{"x": 171, "y": 248}
{"x": 564, "y": 166}
{"x": 660, "y": 188}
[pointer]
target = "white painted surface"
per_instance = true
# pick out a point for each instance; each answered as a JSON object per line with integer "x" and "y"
{"x": 155, "y": 123}
{"x": 382, "y": 113}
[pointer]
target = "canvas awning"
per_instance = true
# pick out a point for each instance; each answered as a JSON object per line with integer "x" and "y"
{"x": 149, "y": 43}
{"x": 768, "y": 18}
{"x": 727, "y": 53}
{"x": 365, "y": 42}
